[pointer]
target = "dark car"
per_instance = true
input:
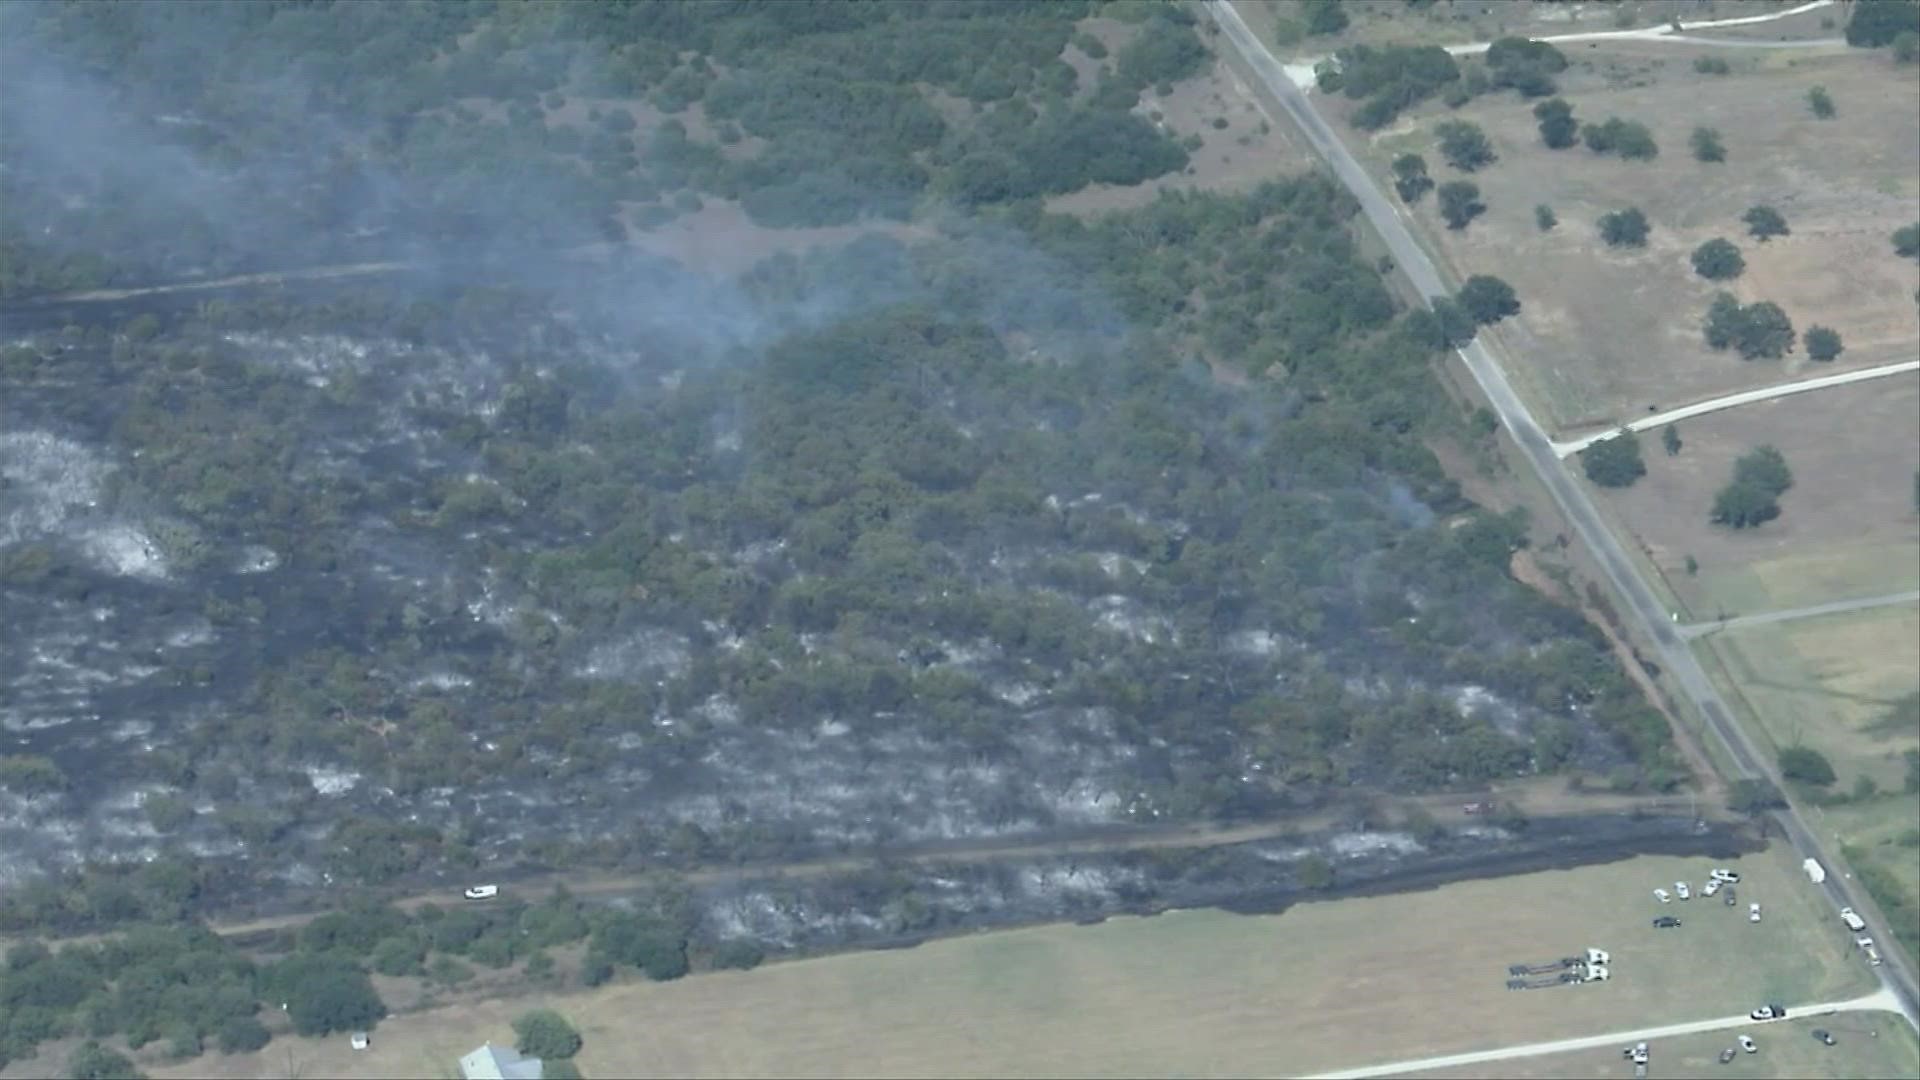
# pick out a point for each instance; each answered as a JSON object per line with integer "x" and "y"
{"x": 1823, "y": 1035}
{"x": 1666, "y": 922}
{"x": 1732, "y": 897}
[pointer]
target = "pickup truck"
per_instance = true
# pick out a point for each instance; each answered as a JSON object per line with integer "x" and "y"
{"x": 1854, "y": 922}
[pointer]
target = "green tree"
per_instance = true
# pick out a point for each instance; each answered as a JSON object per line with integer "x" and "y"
{"x": 1906, "y": 47}
{"x": 1821, "y": 343}
{"x": 1765, "y": 331}
{"x": 1525, "y": 65}
{"x": 1807, "y": 765}
{"x": 1464, "y": 145}
{"x": 1744, "y": 506}
{"x": 1324, "y": 16}
{"x": 1488, "y": 299}
{"x": 1558, "y": 128}
{"x": 93, "y": 1061}
{"x": 1906, "y": 241}
{"x": 545, "y": 1034}
{"x": 1764, "y": 222}
{"x": 1624, "y": 228}
{"x": 1718, "y": 260}
{"x": 325, "y": 993}
{"x": 1627, "y": 138}
{"x": 1879, "y": 22}
{"x": 1754, "y": 797}
{"x": 1460, "y": 203}
{"x": 1614, "y": 462}
{"x": 1821, "y": 102}
{"x": 1544, "y": 217}
{"x": 738, "y": 954}
{"x": 1766, "y": 468}
{"x": 559, "y": 1070}
{"x": 1313, "y": 871}
{"x": 1706, "y": 145}
{"x": 1670, "y": 439}
{"x": 242, "y": 1035}
{"x": 1410, "y": 179}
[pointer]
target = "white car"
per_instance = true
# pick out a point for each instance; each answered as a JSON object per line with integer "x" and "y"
{"x": 1854, "y": 921}
{"x": 1866, "y": 946}
{"x": 1767, "y": 1012}
{"x": 1680, "y": 889}
{"x": 1753, "y": 912}
{"x": 1661, "y": 895}
{"x": 1724, "y": 876}
{"x": 1747, "y": 1044}
{"x": 481, "y": 892}
{"x": 1713, "y": 886}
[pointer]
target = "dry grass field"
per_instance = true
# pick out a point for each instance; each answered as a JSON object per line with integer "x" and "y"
{"x": 1869, "y": 1046}
{"x": 1847, "y": 528}
{"x": 1282, "y": 23}
{"x": 1198, "y": 993}
{"x": 1605, "y": 333}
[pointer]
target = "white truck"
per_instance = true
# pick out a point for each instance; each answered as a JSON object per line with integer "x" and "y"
{"x": 1853, "y": 920}
{"x": 1815, "y": 872}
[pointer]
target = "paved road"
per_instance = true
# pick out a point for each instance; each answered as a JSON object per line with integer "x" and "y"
{"x": 1666, "y": 32}
{"x": 1745, "y": 397}
{"x": 1881, "y": 1001}
{"x": 1639, "y": 601}
{"x": 1694, "y": 630}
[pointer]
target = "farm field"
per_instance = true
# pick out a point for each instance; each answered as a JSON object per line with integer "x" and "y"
{"x": 1787, "y": 1051}
{"x": 1606, "y": 333}
{"x": 1187, "y": 993}
{"x": 1847, "y": 528}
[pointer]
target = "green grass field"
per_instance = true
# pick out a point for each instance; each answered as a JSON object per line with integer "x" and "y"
{"x": 1816, "y": 577}
{"x": 1199, "y": 993}
{"x": 1868, "y": 1046}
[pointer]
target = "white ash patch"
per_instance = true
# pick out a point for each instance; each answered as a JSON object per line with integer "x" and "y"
{"x": 1261, "y": 643}
{"x": 832, "y": 729}
{"x": 1124, "y": 616}
{"x": 442, "y": 681}
{"x": 1017, "y": 694}
{"x": 48, "y": 480}
{"x": 1479, "y": 703}
{"x": 197, "y": 632}
{"x": 1359, "y": 845}
{"x": 126, "y": 551}
{"x": 1111, "y": 563}
{"x": 256, "y": 559}
{"x": 330, "y": 781}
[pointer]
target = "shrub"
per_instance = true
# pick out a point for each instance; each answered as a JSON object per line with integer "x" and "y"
{"x": 1706, "y": 145}
{"x": 1464, "y": 145}
{"x": 1544, "y": 217}
{"x": 1821, "y": 103}
{"x": 1558, "y": 128}
{"x": 1614, "y": 462}
{"x": 1906, "y": 241}
{"x": 1807, "y": 765}
{"x": 1821, "y": 343}
{"x": 1410, "y": 179}
{"x": 1718, "y": 260}
{"x": 1743, "y": 506}
{"x": 1627, "y": 138}
{"x": 1710, "y": 65}
{"x": 1766, "y": 468}
{"x": 1324, "y": 16}
{"x": 242, "y": 1035}
{"x": 95, "y": 1062}
{"x": 1764, "y": 222}
{"x": 739, "y": 954}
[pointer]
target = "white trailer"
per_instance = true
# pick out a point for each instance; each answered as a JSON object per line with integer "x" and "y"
{"x": 1815, "y": 872}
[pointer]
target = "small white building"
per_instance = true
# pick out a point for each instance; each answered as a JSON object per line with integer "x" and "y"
{"x": 491, "y": 1062}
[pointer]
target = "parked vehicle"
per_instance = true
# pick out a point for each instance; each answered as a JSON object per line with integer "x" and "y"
{"x": 1815, "y": 872}
{"x": 1726, "y": 1055}
{"x": 481, "y": 892}
{"x": 1478, "y": 808}
{"x": 1748, "y": 1044}
{"x": 1733, "y": 896}
{"x": 1854, "y": 921}
{"x": 1753, "y": 912}
{"x": 1724, "y": 876}
{"x": 1823, "y": 1035}
{"x": 1769, "y": 1012}
{"x": 1680, "y": 889}
{"x": 1665, "y": 922}
{"x": 1661, "y": 895}
{"x": 358, "y": 1040}
{"x": 1866, "y": 946}
{"x": 1713, "y": 886}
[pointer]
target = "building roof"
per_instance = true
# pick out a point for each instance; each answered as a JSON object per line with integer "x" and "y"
{"x": 490, "y": 1062}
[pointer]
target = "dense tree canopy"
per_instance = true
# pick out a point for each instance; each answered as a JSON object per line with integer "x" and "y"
{"x": 545, "y": 1034}
{"x": 1879, "y": 22}
{"x": 1558, "y": 128}
{"x": 1464, "y": 145}
{"x": 1614, "y": 461}
{"x": 1525, "y": 65}
{"x": 1718, "y": 260}
{"x": 1488, "y": 299}
{"x": 1628, "y": 138}
{"x": 1460, "y": 203}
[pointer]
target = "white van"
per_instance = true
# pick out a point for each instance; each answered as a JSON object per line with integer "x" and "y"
{"x": 481, "y": 892}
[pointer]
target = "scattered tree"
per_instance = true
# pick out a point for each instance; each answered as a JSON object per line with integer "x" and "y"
{"x": 1464, "y": 145}
{"x": 1460, "y": 203}
{"x": 1524, "y": 65}
{"x": 1324, "y": 16}
{"x": 1544, "y": 217}
{"x": 1558, "y": 128}
{"x": 1766, "y": 468}
{"x": 1446, "y": 326}
{"x": 1879, "y": 22}
{"x": 1906, "y": 241}
{"x": 545, "y": 1034}
{"x": 1628, "y": 138}
{"x": 1820, "y": 102}
{"x": 1764, "y": 222}
{"x": 1807, "y": 765}
{"x": 1313, "y": 871}
{"x": 1624, "y": 228}
{"x": 1756, "y": 330}
{"x": 1615, "y": 461}
{"x": 1821, "y": 343}
{"x": 1718, "y": 260}
{"x": 1410, "y": 177}
{"x": 1670, "y": 439}
{"x": 1710, "y": 65}
{"x": 96, "y": 1062}
{"x": 1744, "y": 506}
{"x": 1488, "y": 299}
{"x": 1707, "y": 146}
